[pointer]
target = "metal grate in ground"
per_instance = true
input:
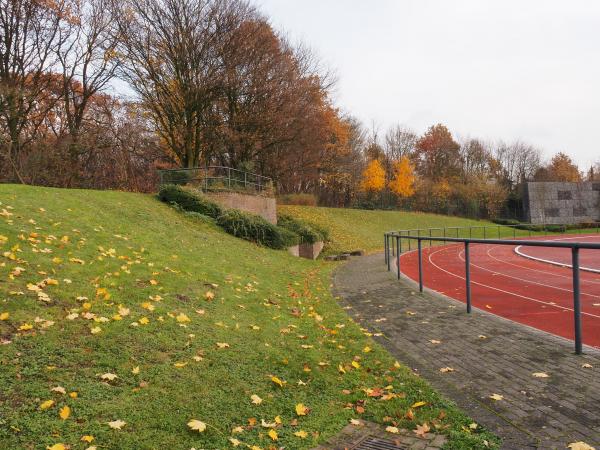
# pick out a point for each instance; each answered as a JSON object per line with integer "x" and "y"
{"x": 373, "y": 443}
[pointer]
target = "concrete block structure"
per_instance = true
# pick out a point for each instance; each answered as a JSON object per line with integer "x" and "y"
{"x": 255, "y": 204}
{"x": 562, "y": 203}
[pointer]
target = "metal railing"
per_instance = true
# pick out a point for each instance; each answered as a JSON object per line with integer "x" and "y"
{"x": 218, "y": 178}
{"x": 395, "y": 239}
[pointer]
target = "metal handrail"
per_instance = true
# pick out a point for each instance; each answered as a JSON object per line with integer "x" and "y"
{"x": 204, "y": 176}
{"x": 575, "y": 267}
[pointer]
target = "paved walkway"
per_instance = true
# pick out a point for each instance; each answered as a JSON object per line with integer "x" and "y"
{"x": 490, "y": 355}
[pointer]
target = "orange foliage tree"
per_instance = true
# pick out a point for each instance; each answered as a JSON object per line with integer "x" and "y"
{"x": 403, "y": 182}
{"x": 373, "y": 179}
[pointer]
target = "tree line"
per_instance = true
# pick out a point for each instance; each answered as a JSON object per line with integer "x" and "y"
{"x": 211, "y": 82}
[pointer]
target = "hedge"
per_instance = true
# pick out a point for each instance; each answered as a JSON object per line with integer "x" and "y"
{"x": 308, "y": 233}
{"x": 189, "y": 201}
{"x": 256, "y": 229}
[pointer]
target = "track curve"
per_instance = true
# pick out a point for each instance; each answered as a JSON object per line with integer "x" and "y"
{"x": 532, "y": 292}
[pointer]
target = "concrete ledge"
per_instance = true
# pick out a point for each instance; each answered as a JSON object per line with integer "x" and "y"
{"x": 311, "y": 251}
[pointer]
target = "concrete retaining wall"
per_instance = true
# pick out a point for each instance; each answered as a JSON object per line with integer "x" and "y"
{"x": 562, "y": 203}
{"x": 310, "y": 251}
{"x": 255, "y": 204}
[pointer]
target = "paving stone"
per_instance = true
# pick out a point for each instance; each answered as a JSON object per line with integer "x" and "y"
{"x": 535, "y": 413}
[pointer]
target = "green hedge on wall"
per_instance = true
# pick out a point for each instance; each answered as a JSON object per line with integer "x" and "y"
{"x": 256, "y": 229}
{"x": 308, "y": 233}
{"x": 189, "y": 201}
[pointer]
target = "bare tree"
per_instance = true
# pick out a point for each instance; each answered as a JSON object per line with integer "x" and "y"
{"x": 170, "y": 50}
{"x": 400, "y": 141}
{"x": 475, "y": 158}
{"x": 29, "y": 39}
{"x": 88, "y": 64}
{"x": 519, "y": 161}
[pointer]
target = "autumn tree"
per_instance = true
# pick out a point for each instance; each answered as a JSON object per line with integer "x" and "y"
{"x": 562, "y": 168}
{"x": 438, "y": 154}
{"x": 29, "y": 39}
{"x": 403, "y": 181}
{"x": 373, "y": 177}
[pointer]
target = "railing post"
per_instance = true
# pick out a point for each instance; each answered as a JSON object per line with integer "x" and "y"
{"x": 385, "y": 238}
{"x": 498, "y": 231}
{"x": 468, "y": 276}
{"x": 398, "y": 255}
{"x": 430, "y": 236}
{"x": 420, "y": 264}
{"x": 484, "y": 232}
{"x": 576, "y": 301}
{"x": 409, "y": 241}
{"x": 514, "y": 232}
{"x": 388, "y": 254}
{"x": 470, "y": 232}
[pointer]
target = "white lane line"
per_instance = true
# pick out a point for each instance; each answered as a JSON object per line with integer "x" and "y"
{"x": 549, "y": 261}
{"x": 556, "y": 275}
{"x": 491, "y": 246}
{"x": 506, "y": 292}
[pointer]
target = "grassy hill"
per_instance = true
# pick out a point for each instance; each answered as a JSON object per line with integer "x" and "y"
{"x": 117, "y": 311}
{"x": 353, "y": 229}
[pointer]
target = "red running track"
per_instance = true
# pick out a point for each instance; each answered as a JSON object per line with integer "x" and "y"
{"x": 531, "y": 292}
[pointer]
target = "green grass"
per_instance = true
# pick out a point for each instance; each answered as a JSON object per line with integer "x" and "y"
{"x": 104, "y": 252}
{"x": 353, "y": 229}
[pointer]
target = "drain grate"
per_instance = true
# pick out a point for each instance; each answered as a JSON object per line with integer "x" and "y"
{"x": 373, "y": 443}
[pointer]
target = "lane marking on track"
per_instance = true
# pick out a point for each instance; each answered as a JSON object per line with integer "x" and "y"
{"x": 538, "y": 270}
{"x": 549, "y": 261}
{"x": 491, "y": 247}
{"x": 504, "y": 291}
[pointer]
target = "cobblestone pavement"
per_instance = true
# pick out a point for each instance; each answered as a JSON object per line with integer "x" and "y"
{"x": 489, "y": 355}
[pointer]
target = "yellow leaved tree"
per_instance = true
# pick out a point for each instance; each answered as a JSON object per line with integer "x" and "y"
{"x": 373, "y": 177}
{"x": 403, "y": 182}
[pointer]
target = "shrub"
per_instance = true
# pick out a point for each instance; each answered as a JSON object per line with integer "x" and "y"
{"x": 297, "y": 199}
{"x": 506, "y": 221}
{"x": 256, "y": 229}
{"x": 189, "y": 200}
{"x": 308, "y": 233}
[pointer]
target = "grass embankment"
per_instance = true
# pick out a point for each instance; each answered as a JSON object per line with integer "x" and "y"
{"x": 353, "y": 229}
{"x": 137, "y": 317}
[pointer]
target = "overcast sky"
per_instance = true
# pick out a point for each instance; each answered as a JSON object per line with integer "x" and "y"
{"x": 526, "y": 69}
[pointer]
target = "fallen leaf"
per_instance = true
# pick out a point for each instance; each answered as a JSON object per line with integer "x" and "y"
{"x": 496, "y": 397}
{"x": 301, "y": 410}
{"x": 197, "y": 425}
{"x": 117, "y": 424}
{"x": 540, "y": 375}
{"x": 87, "y": 438}
{"x": 277, "y": 381}
{"x": 64, "y": 412}
{"x": 59, "y": 389}
{"x": 421, "y": 430}
{"x": 580, "y": 446}
{"x": 418, "y": 404}
{"x": 301, "y": 434}
{"x": 586, "y": 366}
{"x": 446, "y": 369}
{"x": 393, "y": 430}
{"x": 135, "y": 370}
{"x": 273, "y": 434}
{"x": 57, "y": 447}
{"x": 256, "y": 399}
{"x": 47, "y": 404}
{"x": 109, "y": 376}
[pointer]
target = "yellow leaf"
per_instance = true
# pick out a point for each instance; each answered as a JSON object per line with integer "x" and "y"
{"x": 59, "y": 389}
{"x": 144, "y": 321}
{"x": 277, "y": 381}
{"x": 273, "y": 434}
{"x": 496, "y": 397}
{"x": 355, "y": 364}
{"x": 117, "y": 424}
{"x": 197, "y": 425}
{"x": 301, "y": 434}
{"x": 580, "y": 446}
{"x": 4, "y": 316}
{"x": 418, "y": 404}
{"x": 135, "y": 370}
{"x": 73, "y": 394}
{"x": 182, "y": 318}
{"x": 64, "y": 412}
{"x": 47, "y": 404}
{"x": 57, "y": 447}
{"x": 393, "y": 430}
{"x": 301, "y": 410}
{"x": 209, "y": 295}
{"x": 179, "y": 365}
{"x": 256, "y": 399}
{"x": 109, "y": 376}
{"x": 25, "y": 327}
{"x": 95, "y": 330}
{"x": 222, "y": 345}
{"x": 235, "y": 442}
{"x": 87, "y": 438}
